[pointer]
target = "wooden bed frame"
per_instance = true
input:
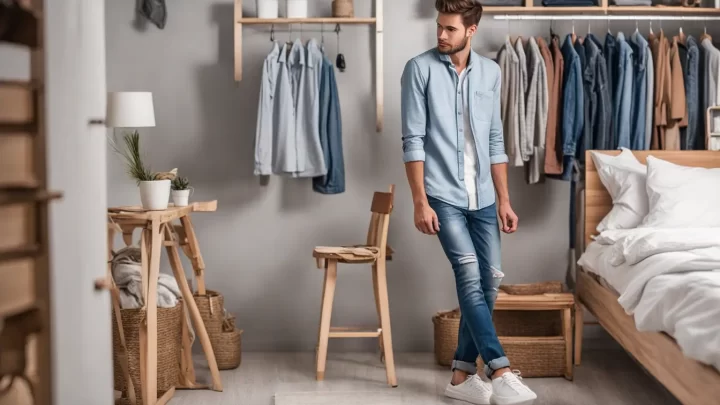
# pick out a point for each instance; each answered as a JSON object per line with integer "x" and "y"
{"x": 690, "y": 381}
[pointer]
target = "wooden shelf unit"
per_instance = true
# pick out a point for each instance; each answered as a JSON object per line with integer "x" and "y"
{"x": 377, "y": 21}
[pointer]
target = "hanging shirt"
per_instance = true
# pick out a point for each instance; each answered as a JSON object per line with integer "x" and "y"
{"x": 612, "y": 54}
{"x": 330, "y": 133}
{"x": 692, "y": 95}
{"x": 649, "y": 98}
{"x": 623, "y": 93}
{"x": 638, "y": 108}
{"x": 510, "y": 68}
{"x": 551, "y": 124}
{"x": 553, "y": 141}
{"x": 538, "y": 104}
{"x": 525, "y": 142}
{"x": 711, "y": 82}
{"x": 266, "y": 120}
{"x": 600, "y": 108}
{"x": 678, "y": 105}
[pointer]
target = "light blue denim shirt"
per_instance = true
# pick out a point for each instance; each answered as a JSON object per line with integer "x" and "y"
{"x": 432, "y": 124}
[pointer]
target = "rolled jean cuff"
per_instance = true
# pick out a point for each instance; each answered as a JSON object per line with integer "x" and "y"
{"x": 469, "y": 368}
{"x": 497, "y": 364}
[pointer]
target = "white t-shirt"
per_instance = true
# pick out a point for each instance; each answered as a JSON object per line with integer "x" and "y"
{"x": 470, "y": 164}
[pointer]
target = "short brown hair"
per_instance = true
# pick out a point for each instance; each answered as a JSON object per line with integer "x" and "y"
{"x": 471, "y": 10}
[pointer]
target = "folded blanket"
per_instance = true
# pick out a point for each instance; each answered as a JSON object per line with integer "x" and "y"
{"x": 127, "y": 274}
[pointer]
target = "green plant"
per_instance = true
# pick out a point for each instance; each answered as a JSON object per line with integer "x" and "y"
{"x": 180, "y": 183}
{"x": 136, "y": 168}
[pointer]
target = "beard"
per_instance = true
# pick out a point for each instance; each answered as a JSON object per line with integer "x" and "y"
{"x": 453, "y": 49}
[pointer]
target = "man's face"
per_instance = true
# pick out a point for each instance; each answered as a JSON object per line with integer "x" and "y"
{"x": 452, "y": 36}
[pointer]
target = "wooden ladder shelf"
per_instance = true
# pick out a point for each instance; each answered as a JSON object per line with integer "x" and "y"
{"x": 377, "y": 21}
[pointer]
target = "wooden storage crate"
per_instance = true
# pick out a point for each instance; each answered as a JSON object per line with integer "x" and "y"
{"x": 534, "y": 329}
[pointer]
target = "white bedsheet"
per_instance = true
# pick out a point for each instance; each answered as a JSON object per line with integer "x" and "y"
{"x": 668, "y": 280}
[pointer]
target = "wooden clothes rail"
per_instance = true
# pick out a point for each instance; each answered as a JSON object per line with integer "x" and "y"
{"x": 377, "y": 21}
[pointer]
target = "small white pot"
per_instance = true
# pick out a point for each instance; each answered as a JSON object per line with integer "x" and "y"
{"x": 180, "y": 197}
{"x": 155, "y": 195}
{"x": 267, "y": 8}
{"x": 297, "y": 8}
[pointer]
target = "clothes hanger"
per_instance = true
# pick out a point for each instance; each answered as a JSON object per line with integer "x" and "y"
{"x": 681, "y": 35}
{"x": 272, "y": 33}
{"x": 322, "y": 38}
{"x": 705, "y": 34}
{"x": 340, "y": 59}
{"x": 573, "y": 37}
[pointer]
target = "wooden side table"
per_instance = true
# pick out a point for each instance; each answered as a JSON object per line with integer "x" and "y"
{"x": 563, "y": 302}
{"x": 158, "y": 231}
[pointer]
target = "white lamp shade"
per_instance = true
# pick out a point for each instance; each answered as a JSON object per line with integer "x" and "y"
{"x": 130, "y": 109}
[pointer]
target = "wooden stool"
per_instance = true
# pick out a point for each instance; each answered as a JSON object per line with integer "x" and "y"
{"x": 375, "y": 252}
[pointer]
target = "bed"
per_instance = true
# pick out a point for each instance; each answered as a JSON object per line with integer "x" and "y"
{"x": 599, "y": 288}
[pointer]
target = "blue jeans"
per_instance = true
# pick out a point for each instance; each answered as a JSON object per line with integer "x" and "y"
{"x": 471, "y": 241}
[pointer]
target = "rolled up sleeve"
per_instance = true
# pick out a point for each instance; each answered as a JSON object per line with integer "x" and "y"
{"x": 413, "y": 113}
{"x": 497, "y": 141}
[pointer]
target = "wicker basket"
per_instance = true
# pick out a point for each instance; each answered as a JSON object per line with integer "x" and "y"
{"x": 211, "y": 307}
{"x": 343, "y": 8}
{"x": 532, "y": 340}
{"x": 169, "y": 343}
{"x": 227, "y": 346}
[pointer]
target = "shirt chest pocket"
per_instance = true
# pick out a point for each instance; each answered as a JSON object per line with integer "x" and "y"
{"x": 482, "y": 107}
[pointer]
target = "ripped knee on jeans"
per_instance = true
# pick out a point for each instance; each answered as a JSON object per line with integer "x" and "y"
{"x": 497, "y": 277}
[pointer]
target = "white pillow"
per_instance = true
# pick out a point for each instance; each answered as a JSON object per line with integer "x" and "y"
{"x": 624, "y": 178}
{"x": 630, "y": 201}
{"x": 681, "y": 196}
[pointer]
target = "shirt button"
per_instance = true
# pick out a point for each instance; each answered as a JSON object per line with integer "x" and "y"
{"x": 461, "y": 129}
{"x": 459, "y": 112}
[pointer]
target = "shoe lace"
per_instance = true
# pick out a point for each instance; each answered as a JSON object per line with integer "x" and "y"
{"x": 480, "y": 385}
{"x": 514, "y": 381}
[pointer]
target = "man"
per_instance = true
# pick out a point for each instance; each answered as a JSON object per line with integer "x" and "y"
{"x": 453, "y": 151}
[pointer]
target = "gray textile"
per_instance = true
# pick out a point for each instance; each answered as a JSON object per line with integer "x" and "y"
{"x": 126, "y": 267}
{"x": 650, "y": 100}
{"x": 510, "y": 67}
{"x": 154, "y": 10}
{"x": 537, "y": 110}
{"x": 525, "y": 142}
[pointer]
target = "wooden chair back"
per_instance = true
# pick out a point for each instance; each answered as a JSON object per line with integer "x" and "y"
{"x": 382, "y": 205}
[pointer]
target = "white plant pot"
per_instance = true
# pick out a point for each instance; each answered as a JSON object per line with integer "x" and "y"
{"x": 180, "y": 197}
{"x": 267, "y": 8}
{"x": 155, "y": 195}
{"x": 297, "y": 8}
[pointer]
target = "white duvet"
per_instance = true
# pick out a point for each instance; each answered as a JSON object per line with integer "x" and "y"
{"x": 668, "y": 279}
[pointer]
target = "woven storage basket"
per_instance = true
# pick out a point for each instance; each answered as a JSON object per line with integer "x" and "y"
{"x": 227, "y": 346}
{"x": 211, "y": 307}
{"x": 169, "y": 343}
{"x": 532, "y": 340}
{"x": 343, "y": 8}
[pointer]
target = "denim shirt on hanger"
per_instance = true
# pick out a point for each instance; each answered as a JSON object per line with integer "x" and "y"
{"x": 611, "y": 58}
{"x": 623, "y": 93}
{"x": 330, "y": 133}
{"x": 639, "y": 47}
{"x": 692, "y": 94}
{"x": 596, "y": 79}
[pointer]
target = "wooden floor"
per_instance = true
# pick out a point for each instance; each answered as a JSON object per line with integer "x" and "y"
{"x": 605, "y": 377}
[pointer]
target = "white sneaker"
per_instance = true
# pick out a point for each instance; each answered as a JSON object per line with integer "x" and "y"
{"x": 508, "y": 389}
{"x": 473, "y": 390}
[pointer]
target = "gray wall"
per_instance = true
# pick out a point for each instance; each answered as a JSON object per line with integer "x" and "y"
{"x": 258, "y": 245}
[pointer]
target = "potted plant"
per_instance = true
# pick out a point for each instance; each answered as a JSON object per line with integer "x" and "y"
{"x": 181, "y": 191}
{"x": 154, "y": 187}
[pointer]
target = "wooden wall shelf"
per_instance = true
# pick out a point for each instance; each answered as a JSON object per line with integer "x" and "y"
{"x": 377, "y": 21}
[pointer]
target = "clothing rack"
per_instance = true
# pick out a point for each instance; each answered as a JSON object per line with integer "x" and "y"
{"x": 605, "y": 17}
{"x": 377, "y": 21}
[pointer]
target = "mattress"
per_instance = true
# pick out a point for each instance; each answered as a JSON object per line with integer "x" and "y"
{"x": 683, "y": 304}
